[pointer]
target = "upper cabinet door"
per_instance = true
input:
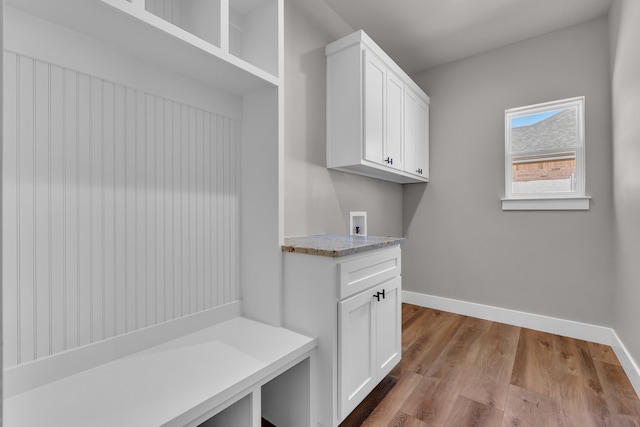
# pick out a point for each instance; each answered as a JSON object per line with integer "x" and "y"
{"x": 393, "y": 155}
{"x": 416, "y": 137}
{"x": 374, "y": 108}
{"x": 383, "y": 113}
{"x": 410, "y": 130}
{"x": 422, "y": 143}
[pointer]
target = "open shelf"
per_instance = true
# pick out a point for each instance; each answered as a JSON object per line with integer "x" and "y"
{"x": 238, "y": 414}
{"x": 190, "y": 51}
{"x": 253, "y": 32}
{"x": 198, "y": 17}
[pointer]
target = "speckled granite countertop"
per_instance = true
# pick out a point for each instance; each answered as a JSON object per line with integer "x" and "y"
{"x": 337, "y": 245}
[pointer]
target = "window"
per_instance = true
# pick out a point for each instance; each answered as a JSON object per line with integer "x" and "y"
{"x": 544, "y": 156}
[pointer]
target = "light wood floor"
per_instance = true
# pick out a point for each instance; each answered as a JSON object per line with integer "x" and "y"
{"x": 461, "y": 371}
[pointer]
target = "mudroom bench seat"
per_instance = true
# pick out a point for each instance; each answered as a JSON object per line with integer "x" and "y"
{"x": 231, "y": 373}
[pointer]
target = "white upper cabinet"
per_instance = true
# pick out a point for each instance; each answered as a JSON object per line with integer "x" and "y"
{"x": 377, "y": 117}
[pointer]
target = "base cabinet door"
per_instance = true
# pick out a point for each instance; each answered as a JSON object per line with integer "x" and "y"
{"x": 388, "y": 328}
{"x": 369, "y": 341}
{"x": 357, "y": 365}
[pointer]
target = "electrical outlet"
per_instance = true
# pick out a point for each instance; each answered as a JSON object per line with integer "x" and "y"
{"x": 358, "y": 223}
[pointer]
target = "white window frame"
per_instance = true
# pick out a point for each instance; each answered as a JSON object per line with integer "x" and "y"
{"x": 576, "y": 200}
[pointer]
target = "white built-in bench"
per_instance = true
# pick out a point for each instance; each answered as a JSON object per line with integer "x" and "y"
{"x": 228, "y": 374}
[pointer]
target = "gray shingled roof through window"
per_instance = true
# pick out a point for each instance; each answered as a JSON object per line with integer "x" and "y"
{"x": 555, "y": 132}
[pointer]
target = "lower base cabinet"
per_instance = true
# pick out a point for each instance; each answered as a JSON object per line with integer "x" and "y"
{"x": 353, "y": 305}
{"x": 369, "y": 341}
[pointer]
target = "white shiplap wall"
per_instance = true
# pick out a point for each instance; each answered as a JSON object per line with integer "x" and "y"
{"x": 120, "y": 209}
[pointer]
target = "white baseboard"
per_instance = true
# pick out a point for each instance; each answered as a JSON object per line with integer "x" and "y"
{"x": 553, "y": 325}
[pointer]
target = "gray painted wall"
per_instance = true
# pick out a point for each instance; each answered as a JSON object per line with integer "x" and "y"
{"x": 625, "y": 70}
{"x": 317, "y": 200}
{"x": 580, "y": 266}
{"x": 460, "y": 244}
{"x": 1, "y": 196}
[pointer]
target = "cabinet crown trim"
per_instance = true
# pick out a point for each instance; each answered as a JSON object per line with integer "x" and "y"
{"x": 362, "y": 38}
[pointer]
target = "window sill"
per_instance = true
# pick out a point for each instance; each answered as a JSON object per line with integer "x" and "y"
{"x": 547, "y": 204}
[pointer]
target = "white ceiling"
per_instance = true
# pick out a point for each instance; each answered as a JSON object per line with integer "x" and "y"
{"x": 421, "y": 34}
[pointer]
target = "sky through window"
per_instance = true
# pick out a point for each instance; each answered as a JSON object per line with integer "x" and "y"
{"x": 532, "y": 119}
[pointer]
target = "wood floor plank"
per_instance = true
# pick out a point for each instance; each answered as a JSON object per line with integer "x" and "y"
{"x": 570, "y": 352}
{"x": 461, "y": 350}
{"x": 421, "y": 354}
{"x": 457, "y": 371}
{"x": 421, "y": 395}
{"x": 389, "y": 407}
{"x": 614, "y": 379}
{"x": 489, "y": 375}
{"x": 526, "y": 408}
{"x": 535, "y": 367}
{"x": 621, "y": 398}
{"x": 575, "y": 358}
{"x": 371, "y": 403}
{"x": 403, "y": 420}
{"x": 416, "y": 328}
{"x": 603, "y": 353}
{"x": 581, "y": 403}
{"x": 436, "y": 400}
{"x": 470, "y": 413}
{"x": 408, "y": 313}
{"x": 621, "y": 420}
{"x": 478, "y": 323}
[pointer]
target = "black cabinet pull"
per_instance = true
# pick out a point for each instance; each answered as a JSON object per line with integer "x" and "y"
{"x": 378, "y": 295}
{"x": 419, "y": 171}
{"x": 388, "y": 160}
